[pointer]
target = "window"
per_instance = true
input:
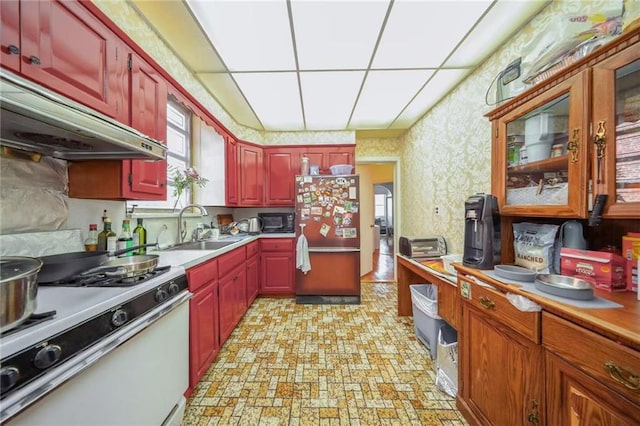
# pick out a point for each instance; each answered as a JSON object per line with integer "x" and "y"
{"x": 178, "y": 154}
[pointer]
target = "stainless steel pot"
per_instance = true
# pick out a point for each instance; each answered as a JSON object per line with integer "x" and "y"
{"x": 18, "y": 290}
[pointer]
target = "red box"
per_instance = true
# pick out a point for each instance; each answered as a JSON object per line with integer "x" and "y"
{"x": 631, "y": 268}
{"x": 606, "y": 271}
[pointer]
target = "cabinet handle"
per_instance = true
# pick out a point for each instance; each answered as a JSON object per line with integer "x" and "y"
{"x": 600, "y": 141}
{"x": 34, "y": 60}
{"x": 622, "y": 375}
{"x": 13, "y": 49}
{"x": 487, "y": 303}
{"x": 573, "y": 144}
{"x": 533, "y": 414}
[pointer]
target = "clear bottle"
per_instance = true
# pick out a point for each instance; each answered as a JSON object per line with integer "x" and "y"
{"x": 140, "y": 237}
{"x": 107, "y": 239}
{"x": 125, "y": 239}
{"x": 91, "y": 243}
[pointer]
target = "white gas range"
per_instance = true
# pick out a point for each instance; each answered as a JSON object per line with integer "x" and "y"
{"x": 109, "y": 355}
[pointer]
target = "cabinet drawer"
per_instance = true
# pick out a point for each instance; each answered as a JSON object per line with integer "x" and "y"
{"x": 604, "y": 359}
{"x": 252, "y": 249}
{"x": 495, "y": 303}
{"x": 277, "y": 244}
{"x": 230, "y": 260}
{"x": 202, "y": 274}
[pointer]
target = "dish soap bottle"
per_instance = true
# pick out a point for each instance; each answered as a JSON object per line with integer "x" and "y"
{"x": 140, "y": 237}
{"x": 125, "y": 240}
{"x": 107, "y": 239}
{"x": 91, "y": 243}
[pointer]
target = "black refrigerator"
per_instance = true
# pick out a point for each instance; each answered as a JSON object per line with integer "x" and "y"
{"x": 327, "y": 212}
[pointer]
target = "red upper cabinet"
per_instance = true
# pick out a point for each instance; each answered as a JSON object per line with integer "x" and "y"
{"x": 231, "y": 158}
{"x": 340, "y": 155}
{"x": 66, "y": 48}
{"x": 327, "y": 155}
{"x": 280, "y": 167}
{"x": 10, "y": 34}
{"x": 251, "y": 174}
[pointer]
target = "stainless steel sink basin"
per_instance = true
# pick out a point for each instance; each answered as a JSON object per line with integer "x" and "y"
{"x": 201, "y": 245}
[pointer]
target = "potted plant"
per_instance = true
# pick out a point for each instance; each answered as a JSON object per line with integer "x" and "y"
{"x": 184, "y": 179}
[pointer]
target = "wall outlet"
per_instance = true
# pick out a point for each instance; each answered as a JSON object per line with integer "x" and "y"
{"x": 436, "y": 210}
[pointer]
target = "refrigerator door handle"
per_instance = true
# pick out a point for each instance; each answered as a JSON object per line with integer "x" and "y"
{"x": 333, "y": 249}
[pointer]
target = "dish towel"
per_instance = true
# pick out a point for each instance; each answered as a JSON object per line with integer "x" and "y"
{"x": 302, "y": 254}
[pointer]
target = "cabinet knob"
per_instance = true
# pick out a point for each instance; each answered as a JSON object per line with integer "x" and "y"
{"x": 34, "y": 60}
{"x": 624, "y": 376}
{"x": 13, "y": 49}
{"x": 532, "y": 417}
{"x": 487, "y": 303}
{"x": 573, "y": 145}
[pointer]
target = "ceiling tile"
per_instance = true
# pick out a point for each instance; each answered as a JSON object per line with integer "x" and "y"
{"x": 384, "y": 95}
{"x": 224, "y": 89}
{"x": 248, "y": 35}
{"x": 275, "y": 98}
{"x": 486, "y": 37}
{"x": 420, "y": 34}
{"x": 439, "y": 85}
{"x": 336, "y": 35}
{"x": 328, "y": 98}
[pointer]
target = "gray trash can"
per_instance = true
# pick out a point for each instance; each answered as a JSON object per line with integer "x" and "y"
{"x": 424, "y": 298}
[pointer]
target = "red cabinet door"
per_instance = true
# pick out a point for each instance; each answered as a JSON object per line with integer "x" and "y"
{"x": 228, "y": 297}
{"x": 339, "y": 156}
{"x": 253, "y": 279}
{"x": 149, "y": 116}
{"x": 251, "y": 174}
{"x": 204, "y": 341}
{"x": 277, "y": 273}
{"x": 66, "y": 48}
{"x": 231, "y": 173}
{"x": 10, "y": 34}
{"x": 280, "y": 173}
{"x": 240, "y": 285}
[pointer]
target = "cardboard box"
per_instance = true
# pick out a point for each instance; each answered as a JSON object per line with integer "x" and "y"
{"x": 631, "y": 268}
{"x": 606, "y": 271}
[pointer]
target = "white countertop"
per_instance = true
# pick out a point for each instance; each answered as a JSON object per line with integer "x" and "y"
{"x": 190, "y": 258}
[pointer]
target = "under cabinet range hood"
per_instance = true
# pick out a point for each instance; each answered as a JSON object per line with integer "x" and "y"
{"x": 38, "y": 120}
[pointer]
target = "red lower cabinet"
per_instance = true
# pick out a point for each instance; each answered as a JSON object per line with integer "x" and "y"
{"x": 277, "y": 264}
{"x": 253, "y": 279}
{"x": 232, "y": 301}
{"x": 204, "y": 335}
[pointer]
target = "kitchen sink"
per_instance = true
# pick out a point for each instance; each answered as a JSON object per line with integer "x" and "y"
{"x": 201, "y": 245}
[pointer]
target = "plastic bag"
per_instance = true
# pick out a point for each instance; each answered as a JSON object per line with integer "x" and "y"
{"x": 569, "y": 37}
{"x": 533, "y": 244}
{"x": 522, "y": 303}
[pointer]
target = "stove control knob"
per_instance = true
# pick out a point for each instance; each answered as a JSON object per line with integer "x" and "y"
{"x": 47, "y": 356}
{"x": 161, "y": 295}
{"x": 8, "y": 378}
{"x": 173, "y": 289}
{"x": 119, "y": 317}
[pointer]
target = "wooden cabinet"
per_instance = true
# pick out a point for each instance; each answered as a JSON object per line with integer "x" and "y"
{"x": 10, "y": 34}
{"x": 325, "y": 156}
{"x": 280, "y": 167}
{"x": 580, "y": 132}
{"x": 278, "y": 266}
{"x": 501, "y": 376}
{"x": 253, "y": 279}
{"x": 590, "y": 379}
{"x": 232, "y": 276}
{"x": 204, "y": 340}
{"x": 616, "y": 135}
{"x": 231, "y": 172}
{"x": 67, "y": 49}
{"x": 251, "y": 174}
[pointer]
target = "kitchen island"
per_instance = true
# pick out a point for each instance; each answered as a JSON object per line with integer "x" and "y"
{"x": 555, "y": 365}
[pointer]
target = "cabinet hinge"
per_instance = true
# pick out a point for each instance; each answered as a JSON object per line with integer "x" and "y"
{"x": 116, "y": 53}
{"x": 130, "y": 178}
{"x": 129, "y": 63}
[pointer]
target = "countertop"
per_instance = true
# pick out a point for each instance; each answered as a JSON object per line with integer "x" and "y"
{"x": 190, "y": 258}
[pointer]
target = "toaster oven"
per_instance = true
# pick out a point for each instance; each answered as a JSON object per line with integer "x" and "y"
{"x": 423, "y": 247}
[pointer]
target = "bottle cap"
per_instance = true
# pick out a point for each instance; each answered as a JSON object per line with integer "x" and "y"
{"x": 93, "y": 227}
{"x": 139, "y": 221}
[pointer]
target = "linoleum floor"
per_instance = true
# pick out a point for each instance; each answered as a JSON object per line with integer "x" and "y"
{"x": 289, "y": 364}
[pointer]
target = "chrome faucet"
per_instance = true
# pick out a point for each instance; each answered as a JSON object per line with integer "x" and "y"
{"x": 182, "y": 232}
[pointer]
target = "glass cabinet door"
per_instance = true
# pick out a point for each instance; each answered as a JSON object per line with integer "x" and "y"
{"x": 545, "y": 157}
{"x": 616, "y": 134}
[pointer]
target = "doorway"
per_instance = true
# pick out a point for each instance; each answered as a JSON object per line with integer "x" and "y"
{"x": 379, "y": 201}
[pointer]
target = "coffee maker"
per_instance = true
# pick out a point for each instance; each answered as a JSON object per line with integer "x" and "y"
{"x": 481, "y": 232}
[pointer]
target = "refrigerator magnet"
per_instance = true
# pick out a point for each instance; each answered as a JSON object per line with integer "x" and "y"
{"x": 324, "y": 229}
{"x": 350, "y": 232}
{"x": 353, "y": 192}
{"x": 307, "y": 179}
{"x": 299, "y": 198}
{"x": 341, "y": 181}
{"x": 304, "y": 214}
{"x": 316, "y": 211}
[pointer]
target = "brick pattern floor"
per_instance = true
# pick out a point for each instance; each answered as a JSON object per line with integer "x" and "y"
{"x": 289, "y": 364}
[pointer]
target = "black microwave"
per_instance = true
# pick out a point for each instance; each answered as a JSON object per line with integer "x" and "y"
{"x": 275, "y": 223}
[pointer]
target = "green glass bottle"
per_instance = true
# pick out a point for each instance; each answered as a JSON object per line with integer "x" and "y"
{"x": 140, "y": 237}
{"x": 107, "y": 238}
{"x": 125, "y": 240}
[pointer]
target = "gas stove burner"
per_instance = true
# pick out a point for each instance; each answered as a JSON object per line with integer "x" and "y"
{"x": 34, "y": 319}
{"x": 103, "y": 280}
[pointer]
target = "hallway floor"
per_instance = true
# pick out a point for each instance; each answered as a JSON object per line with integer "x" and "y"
{"x": 383, "y": 263}
{"x": 292, "y": 364}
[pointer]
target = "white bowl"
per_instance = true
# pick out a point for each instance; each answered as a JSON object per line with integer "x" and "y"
{"x": 448, "y": 259}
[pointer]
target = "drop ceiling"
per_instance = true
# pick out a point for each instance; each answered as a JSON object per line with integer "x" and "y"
{"x": 294, "y": 65}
